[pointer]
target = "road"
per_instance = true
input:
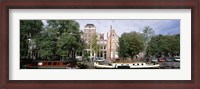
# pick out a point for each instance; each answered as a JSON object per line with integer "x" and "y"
{"x": 169, "y": 65}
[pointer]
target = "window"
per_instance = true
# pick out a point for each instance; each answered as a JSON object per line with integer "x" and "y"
{"x": 60, "y": 63}
{"x": 101, "y": 37}
{"x": 65, "y": 63}
{"x": 54, "y": 63}
{"x": 49, "y": 63}
{"x": 44, "y": 63}
{"x": 101, "y": 55}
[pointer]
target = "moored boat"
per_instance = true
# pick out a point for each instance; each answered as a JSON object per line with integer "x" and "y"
{"x": 52, "y": 65}
{"x": 135, "y": 65}
{"x": 103, "y": 66}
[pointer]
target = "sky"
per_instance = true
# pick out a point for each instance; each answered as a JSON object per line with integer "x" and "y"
{"x": 171, "y": 26}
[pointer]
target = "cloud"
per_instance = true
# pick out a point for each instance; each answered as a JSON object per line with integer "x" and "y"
{"x": 171, "y": 26}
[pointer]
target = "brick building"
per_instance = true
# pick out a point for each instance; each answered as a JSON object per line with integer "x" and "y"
{"x": 107, "y": 48}
{"x": 102, "y": 42}
{"x": 89, "y": 32}
{"x": 112, "y": 45}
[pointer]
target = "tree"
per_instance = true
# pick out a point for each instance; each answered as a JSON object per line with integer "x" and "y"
{"x": 148, "y": 33}
{"x": 164, "y": 45}
{"x": 94, "y": 45}
{"x": 173, "y": 45}
{"x": 47, "y": 43}
{"x": 86, "y": 57}
{"x": 63, "y": 37}
{"x": 130, "y": 44}
{"x": 29, "y": 30}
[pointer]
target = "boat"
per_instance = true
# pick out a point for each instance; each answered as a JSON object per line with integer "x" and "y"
{"x": 97, "y": 65}
{"x": 134, "y": 65}
{"x": 32, "y": 65}
{"x": 56, "y": 65}
{"x": 52, "y": 65}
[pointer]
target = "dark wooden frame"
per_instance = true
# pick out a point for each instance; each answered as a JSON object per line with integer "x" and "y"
{"x": 102, "y": 4}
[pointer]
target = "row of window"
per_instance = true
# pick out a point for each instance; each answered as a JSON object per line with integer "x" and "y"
{"x": 100, "y": 47}
{"x": 89, "y": 31}
{"x": 98, "y": 54}
{"x": 52, "y": 63}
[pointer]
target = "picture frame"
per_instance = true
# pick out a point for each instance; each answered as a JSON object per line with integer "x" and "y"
{"x": 99, "y": 4}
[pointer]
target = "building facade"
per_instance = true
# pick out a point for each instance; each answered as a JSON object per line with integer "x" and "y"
{"x": 107, "y": 48}
{"x": 102, "y": 43}
{"x": 112, "y": 45}
{"x": 89, "y": 32}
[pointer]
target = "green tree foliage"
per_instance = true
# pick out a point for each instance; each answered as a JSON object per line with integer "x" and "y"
{"x": 61, "y": 37}
{"x": 94, "y": 45}
{"x": 130, "y": 44}
{"x": 29, "y": 29}
{"x": 47, "y": 42}
{"x": 148, "y": 33}
{"x": 164, "y": 45}
{"x": 86, "y": 57}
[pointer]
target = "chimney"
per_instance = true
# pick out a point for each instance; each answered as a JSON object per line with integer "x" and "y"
{"x": 110, "y": 27}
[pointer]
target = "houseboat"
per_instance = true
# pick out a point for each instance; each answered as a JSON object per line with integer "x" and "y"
{"x": 135, "y": 65}
{"x": 52, "y": 65}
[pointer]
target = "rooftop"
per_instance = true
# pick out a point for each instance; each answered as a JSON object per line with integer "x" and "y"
{"x": 89, "y": 25}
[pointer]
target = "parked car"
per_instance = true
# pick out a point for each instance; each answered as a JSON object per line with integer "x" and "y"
{"x": 146, "y": 59}
{"x": 154, "y": 60}
{"x": 177, "y": 58}
{"x": 161, "y": 59}
{"x": 99, "y": 59}
{"x": 169, "y": 59}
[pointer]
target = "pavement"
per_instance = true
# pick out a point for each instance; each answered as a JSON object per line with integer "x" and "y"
{"x": 169, "y": 65}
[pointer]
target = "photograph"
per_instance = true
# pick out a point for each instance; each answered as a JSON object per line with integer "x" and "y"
{"x": 100, "y": 44}
{"x": 108, "y": 44}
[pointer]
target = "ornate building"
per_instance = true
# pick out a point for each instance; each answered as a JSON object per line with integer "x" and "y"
{"x": 102, "y": 42}
{"x": 107, "y": 49}
{"x": 89, "y": 32}
{"x": 112, "y": 45}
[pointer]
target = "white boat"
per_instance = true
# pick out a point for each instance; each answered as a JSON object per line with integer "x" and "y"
{"x": 97, "y": 65}
{"x": 135, "y": 65}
